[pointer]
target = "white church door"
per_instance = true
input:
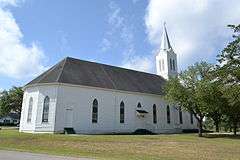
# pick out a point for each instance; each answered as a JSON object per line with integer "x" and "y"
{"x": 68, "y": 118}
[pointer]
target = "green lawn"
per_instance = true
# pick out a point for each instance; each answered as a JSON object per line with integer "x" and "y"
{"x": 116, "y": 147}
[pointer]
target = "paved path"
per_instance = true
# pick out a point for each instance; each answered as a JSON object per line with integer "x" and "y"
{"x": 14, "y": 155}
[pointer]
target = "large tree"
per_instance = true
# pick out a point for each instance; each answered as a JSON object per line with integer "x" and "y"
{"x": 11, "y": 101}
{"x": 184, "y": 91}
{"x": 228, "y": 72}
{"x": 209, "y": 94}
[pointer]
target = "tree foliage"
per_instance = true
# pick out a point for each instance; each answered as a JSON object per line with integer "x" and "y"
{"x": 228, "y": 73}
{"x": 211, "y": 91}
{"x": 11, "y": 101}
{"x": 186, "y": 90}
{"x": 4, "y": 103}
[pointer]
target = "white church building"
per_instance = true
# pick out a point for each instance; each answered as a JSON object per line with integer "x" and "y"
{"x": 94, "y": 98}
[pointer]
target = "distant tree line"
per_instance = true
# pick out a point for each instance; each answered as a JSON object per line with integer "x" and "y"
{"x": 211, "y": 92}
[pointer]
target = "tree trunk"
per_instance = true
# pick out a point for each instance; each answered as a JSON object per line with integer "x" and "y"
{"x": 217, "y": 126}
{"x": 235, "y": 129}
{"x": 200, "y": 130}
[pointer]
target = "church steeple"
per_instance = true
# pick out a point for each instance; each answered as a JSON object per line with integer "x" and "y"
{"x": 165, "y": 43}
{"x": 166, "y": 59}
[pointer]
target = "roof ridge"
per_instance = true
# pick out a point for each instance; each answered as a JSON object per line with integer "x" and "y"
{"x": 115, "y": 66}
{"x": 60, "y": 74}
{"x": 85, "y": 73}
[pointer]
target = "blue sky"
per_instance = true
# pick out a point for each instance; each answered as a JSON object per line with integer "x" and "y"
{"x": 36, "y": 34}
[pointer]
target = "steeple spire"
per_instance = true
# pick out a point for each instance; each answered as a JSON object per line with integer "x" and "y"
{"x": 165, "y": 43}
{"x": 166, "y": 59}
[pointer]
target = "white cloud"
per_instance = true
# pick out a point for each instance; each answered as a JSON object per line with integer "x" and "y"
{"x": 4, "y": 3}
{"x": 197, "y": 28}
{"x": 115, "y": 18}
{"x": 123, "y": 30}
{"x": 18, "y": 60}
{"x": 105, "y": 45}
{"x": 139, "y": 63}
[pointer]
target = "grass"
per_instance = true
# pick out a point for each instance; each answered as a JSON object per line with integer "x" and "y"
{"x": 116, "y": 147}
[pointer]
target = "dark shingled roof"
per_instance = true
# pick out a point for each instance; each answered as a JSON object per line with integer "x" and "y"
{"x": 79, "y": 72}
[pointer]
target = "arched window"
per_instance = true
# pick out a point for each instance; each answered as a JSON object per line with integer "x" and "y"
{"x": 180, "y": 116}
{"x": 191, "y": 118}
{"x": 122, "y": 112}
{"x": 171, "y": 64}
{"x": 163, "y": 65}
{"x": 45, "y": 109}
{"x": 30, "y": 105}
{"x": 139, "y": 105}
{"x": 168, "y": 114}
{"x": 160, "y": 65}
{"x": 154, "y": 114}
{"x": 95, "y": 111}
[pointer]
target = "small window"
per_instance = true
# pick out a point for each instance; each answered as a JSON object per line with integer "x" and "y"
{"x": 95, "y": 111}
{"x": 160, "y": 66}
{"x": 30, "y": 105}
{"x": 180, "y": 116}
{"x": 139, "y": 105}
{"x": 163, "y": 65}
{"x": 122, "y": 112}
{"x": 191, "y": 118}
{"x": 45, "y": 109}
{"x": 154, "y": 114}
{"x": 168, "y": 114}
{"x": 171, "y": 64}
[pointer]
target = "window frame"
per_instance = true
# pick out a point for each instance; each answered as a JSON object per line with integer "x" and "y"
{"x": 180, "y": 115}
{"x": 30, "y": 106}
{"x": 45, "y": 112}
{"x": 171, "y": 66}
{"x": 139, "y": 105}
{"x": 95, "y": 111}
{"x": 168, "y": 114}
{"x": 163, "y": 67}
{"x": 122, "y": 112}
{"x": 173, "y": 63}
{"x": 160, "y": 65}
{"x": 154, "y": 114}
{"x": 191, "y": 117}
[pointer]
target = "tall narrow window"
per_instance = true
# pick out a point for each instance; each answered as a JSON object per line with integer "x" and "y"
{"x": 163, "y": 65}
{"x": 191, "y": 118}
{"x": 173, "y": 63}
{"x": 139, "y": 105}
{"x": 95, "y": 111}
{"x": 30, "y": 105}
{"x": 180, "y": 115}
{"x": 160, "y": 65}
{"x": 154, "y": 114}
{"x": 168, "y": 114}
{"x": 45, "y": 109}
{"x": 122, "y": 112}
